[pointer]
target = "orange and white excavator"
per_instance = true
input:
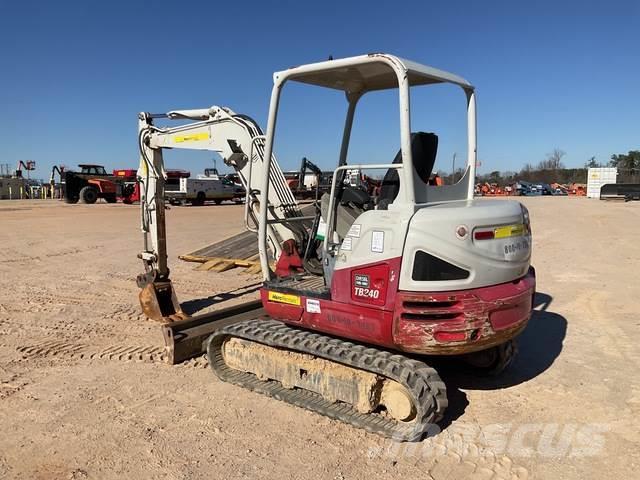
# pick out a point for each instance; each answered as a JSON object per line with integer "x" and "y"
{"x": 357, "y": 295}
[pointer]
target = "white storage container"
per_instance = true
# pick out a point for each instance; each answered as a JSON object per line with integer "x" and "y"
{"x": 596, "y": 177}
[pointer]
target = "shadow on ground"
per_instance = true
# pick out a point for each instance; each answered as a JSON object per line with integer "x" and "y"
{"x": 192, "y": 307}
{"x": 539, "y": 345}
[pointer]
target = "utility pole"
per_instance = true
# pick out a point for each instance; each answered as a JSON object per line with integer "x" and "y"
{"x": 453, "y": 169}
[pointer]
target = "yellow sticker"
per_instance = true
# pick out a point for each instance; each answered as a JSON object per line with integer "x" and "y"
{"x": 193, "y": 137}
{"x": 509, "y": 231}
{"x": 284, "y": 298}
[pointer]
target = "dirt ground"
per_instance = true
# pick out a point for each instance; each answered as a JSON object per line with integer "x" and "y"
{"x": 84, "y": 392}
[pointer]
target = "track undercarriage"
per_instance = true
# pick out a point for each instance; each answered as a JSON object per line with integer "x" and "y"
{"x": 381, "y": 392}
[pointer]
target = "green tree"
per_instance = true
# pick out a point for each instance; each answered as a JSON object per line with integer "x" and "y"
{"x": 592, "y": 163}
{"x": 630, "y": 161}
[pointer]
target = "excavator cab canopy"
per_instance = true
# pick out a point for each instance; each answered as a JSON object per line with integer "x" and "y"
{"x": 379, "y": 71}
{"x": 407, "y": 177}
{"x": 376, "y": 71}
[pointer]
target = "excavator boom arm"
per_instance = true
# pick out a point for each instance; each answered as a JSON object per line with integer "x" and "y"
{"x": 239, "y": 140}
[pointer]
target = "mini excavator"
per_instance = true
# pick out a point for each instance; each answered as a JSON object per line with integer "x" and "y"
{"x": 357, "y": 296}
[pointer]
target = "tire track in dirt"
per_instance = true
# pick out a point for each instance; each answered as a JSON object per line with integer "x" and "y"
{"x": 61, "y": 328}
{"x": 10, "y": 383}
{"x": 12, "y": 256}
{"x": 27, "y": 301}
{"x": 116, "y": 352}
{"x": 446, "y": 459}
{"x": 79, "y": 351}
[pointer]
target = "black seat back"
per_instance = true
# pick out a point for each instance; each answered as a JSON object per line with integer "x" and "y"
{"x": 424, "y": 147}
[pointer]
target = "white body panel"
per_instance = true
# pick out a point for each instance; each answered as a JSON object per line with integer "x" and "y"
{"x": 489, "y": 262}
{"x": 375, "y": 235}
{"x": 382, "y": 235}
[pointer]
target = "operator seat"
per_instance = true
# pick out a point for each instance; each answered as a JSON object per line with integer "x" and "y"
{"x": 424, "y": 147}
{"x": 351, "y": 203}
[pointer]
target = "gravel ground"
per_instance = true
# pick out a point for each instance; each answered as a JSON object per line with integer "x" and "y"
{"x": 84, "y": 392}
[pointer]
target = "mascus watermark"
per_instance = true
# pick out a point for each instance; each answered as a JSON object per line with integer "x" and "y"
{"x": 521, "y": 440}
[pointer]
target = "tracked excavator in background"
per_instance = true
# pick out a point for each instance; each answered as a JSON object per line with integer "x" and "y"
{"x": 358, "y": 295}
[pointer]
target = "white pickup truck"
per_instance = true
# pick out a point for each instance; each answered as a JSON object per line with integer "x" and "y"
{"x": 209, "y": 186}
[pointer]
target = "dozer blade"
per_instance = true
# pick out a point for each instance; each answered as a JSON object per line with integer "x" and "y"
{"x": 159, "y": 302}
{"x": 187, "y": 338}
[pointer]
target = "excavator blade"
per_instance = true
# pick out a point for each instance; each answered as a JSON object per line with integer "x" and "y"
{"x": 187, "y": 338}
{"x": 159, "y": 302}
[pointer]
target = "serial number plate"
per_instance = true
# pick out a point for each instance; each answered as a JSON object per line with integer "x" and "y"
{"x": 514, "y": 248}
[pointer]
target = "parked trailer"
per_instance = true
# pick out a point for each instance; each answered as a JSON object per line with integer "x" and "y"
{"x": 620, "y": 191}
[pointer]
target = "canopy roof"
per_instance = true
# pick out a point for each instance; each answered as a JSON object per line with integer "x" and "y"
{"x": 375, "y": 71}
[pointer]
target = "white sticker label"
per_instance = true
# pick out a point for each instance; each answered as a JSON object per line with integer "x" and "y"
{"x": 354, "y": 231}
{"x": 322, "y": 230}
{"x": 346, "y": 244}
{"x": 516, "y": 249}
{"x": 313, "y": 306}
{"x": 377, "y": 241}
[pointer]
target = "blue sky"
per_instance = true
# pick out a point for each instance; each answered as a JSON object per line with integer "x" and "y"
{"x": 73, "y": 76}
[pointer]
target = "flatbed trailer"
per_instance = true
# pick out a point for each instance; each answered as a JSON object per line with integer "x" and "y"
{"x": 620, "y": 191}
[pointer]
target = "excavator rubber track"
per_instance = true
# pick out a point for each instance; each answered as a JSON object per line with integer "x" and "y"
{"x": 422, "y": 382}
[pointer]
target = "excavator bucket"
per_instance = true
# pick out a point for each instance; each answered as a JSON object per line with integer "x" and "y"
{"x": 159, "y": 302}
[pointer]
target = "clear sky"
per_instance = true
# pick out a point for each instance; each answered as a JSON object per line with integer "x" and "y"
{"x": 73, "y": 76}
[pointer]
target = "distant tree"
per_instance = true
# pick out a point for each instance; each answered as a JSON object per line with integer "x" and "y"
{"x": 450, "y": 178}
{"x": 630, "y": 161}
{"x": 592, "y": 163}
{"x": 553, "y": 160}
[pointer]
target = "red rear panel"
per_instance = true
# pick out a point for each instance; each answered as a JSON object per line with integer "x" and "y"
{"x": 436, "y": 323}
{"x": 464, "y": 320}
{"x": 369, "y": 285}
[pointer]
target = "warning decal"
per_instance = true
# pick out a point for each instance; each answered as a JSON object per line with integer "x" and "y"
{"x": 193, "y": 137}
{"x": 284, "y": 298}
